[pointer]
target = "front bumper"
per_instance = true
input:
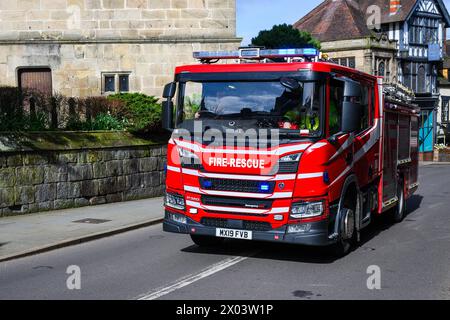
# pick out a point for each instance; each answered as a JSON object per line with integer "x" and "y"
{"x": 318, "y": 234}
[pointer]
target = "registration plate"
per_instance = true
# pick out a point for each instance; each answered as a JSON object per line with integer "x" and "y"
{"x": 234, "y": 234}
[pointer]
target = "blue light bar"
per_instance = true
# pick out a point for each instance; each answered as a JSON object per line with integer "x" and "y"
{"x": 256, "y": 53}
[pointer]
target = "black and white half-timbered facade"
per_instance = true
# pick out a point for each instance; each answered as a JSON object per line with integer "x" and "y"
{"x": 403, "y": 43}
{"x": 420, "y": 33}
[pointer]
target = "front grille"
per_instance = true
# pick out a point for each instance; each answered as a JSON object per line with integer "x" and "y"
{"x": 237, "y": 185}
{"x": 216, "y": 223}
{"x": 257, "y": 226}
{"x": 239, "y": 203}
{"x": 246, "y": 225}
{"x": 287, "y": 167}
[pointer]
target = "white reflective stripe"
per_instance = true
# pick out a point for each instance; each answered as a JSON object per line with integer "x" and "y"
{"x": 318, "y": 145}
{"x": 343, "y": 147}
{"x": 174, "y": 169}
{"x": 190, "y": 172}
{"x": 374, "y": 138}
{"x": 284, "y": 177}
{"x": 280, "y": 210}
{"x": 278, "y": 151}
{"x": 310, "y": 175}
{"x": 194, "y": 204}
{"x": 277, "y": 195}
{"x": 197, "y": 173}
{"x": 171, "y": 141}
{"x": 237, "y": 210}
{"x": 191, "y": 146}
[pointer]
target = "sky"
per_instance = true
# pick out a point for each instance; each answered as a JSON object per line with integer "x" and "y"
{"x": 256, "y": 15}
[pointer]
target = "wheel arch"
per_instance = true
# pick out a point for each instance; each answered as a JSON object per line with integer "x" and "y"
{"x": 349, "y": 188}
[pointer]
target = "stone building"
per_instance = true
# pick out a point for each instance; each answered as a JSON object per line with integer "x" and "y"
{"x": 405, "y": 44}
{"x": 94, "y": 47}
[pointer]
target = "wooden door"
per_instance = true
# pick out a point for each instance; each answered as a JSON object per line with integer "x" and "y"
{"x": 36, "y": 79}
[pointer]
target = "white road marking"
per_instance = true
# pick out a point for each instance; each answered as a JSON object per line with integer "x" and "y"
{"x": 187, "y": 280}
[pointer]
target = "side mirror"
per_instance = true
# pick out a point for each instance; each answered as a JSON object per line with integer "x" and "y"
{"x": 352, "y": 89}
{"x": 169, "y": 90}
{"x": 167, "y": 115}
{"x": 351, "y": 116}
{"x": 351, "y": 107}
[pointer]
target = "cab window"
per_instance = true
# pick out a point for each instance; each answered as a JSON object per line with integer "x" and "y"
{"x": 336, "y": 99}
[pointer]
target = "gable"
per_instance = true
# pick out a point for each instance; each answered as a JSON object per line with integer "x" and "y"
{"x": 428, "y": 6}
{"x": 434, "y": 7}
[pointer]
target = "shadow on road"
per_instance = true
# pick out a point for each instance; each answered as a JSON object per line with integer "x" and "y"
{"x": 304, "y": 254}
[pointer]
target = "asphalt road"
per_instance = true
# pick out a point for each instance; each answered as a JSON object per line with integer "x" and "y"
{"x": 413, "y": 257}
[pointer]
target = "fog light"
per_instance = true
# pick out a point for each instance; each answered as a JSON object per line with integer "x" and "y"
{"x": 278, "y": 217}
{"x": 299, "y": 228}
{"x": 178, "y": 218}
{"x": 193, "y": 210}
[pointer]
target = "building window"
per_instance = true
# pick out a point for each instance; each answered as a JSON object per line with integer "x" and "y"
{"x": 421, "y": 79}
{"x": 381, "y": 69}
{"x": 124, "y": 83}
{"x": 115, "y": 82}
{"x": 110, "y": 84}
{"x": 346, "y": 62}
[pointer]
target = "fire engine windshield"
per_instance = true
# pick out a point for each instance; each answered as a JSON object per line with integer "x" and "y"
{"x": 276, "y": 105}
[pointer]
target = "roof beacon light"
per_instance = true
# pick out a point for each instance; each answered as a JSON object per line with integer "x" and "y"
{"x": 256, "y": 54}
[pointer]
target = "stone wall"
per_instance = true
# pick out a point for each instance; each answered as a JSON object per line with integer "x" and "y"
{"x": 84, "y": 20}
{"x": 49, "y": 180}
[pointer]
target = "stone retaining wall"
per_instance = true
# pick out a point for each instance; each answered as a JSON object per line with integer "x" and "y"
{"x": 48, "y": 180}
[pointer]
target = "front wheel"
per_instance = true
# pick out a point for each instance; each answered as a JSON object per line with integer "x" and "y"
{"x": 347, "y": 232}
{"x": 206, "y": 241}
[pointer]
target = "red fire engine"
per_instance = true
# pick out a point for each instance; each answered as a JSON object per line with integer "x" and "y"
{"x": 281, "y": 146}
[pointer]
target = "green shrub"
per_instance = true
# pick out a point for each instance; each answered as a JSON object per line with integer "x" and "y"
{"x": 33, "y": 111}
{"x": 144, "y": 112}
{"x": 105, "y": 121}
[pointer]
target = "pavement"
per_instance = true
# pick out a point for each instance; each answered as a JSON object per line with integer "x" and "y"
{"x": 34, "y": 233}
{"x": 429, "y": 163}
{"x": 412, "y": 258}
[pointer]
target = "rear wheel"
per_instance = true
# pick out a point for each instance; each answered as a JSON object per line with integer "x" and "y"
{"x": 399, "y": 211}
{"x": 206, "y": 241}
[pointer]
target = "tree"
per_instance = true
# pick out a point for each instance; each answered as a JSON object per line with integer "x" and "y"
{"x": 285, "y": 36}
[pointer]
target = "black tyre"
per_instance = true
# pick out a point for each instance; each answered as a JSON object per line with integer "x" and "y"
{"x": 399, "y": 212}
{"x": 346, "y": 236}
{"x": 347, "y": 230}
{"x": 206, "y": 241}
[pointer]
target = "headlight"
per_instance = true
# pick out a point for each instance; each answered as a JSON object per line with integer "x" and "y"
{"x": 175, "y": 201}
{"x": 291, "y": 158}
{"x": 304, "y": 210}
